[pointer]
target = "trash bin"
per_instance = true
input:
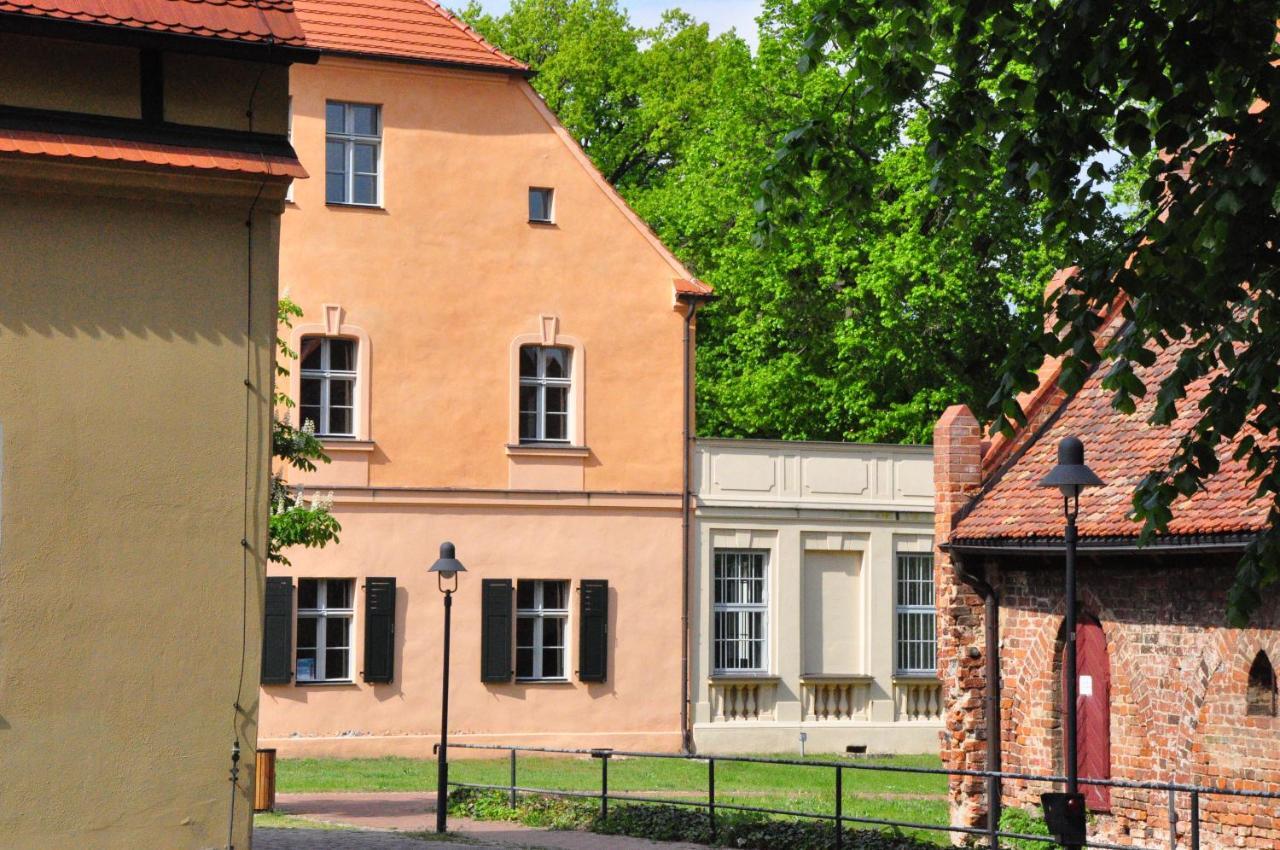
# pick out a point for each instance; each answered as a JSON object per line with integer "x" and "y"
{"x": 264, "y": 781}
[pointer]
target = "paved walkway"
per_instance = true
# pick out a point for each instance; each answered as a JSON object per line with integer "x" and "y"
{"x": 380, "y": 816}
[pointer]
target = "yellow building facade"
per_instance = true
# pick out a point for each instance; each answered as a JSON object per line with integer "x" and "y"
{"x": 136, "y": 356}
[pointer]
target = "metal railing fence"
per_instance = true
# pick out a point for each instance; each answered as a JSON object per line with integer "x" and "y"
{"x": 838, "y": 818}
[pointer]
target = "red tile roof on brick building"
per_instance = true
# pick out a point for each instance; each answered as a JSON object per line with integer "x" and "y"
{"x": 415, "y": 30}
{"x": 1122, "y": 450}
{"x": 254, "y": 21}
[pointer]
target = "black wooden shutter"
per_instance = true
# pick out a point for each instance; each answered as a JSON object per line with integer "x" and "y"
{"x": 593, "y": 630}
{"x": 496, "y": 630}
{"x": 379, "y": 629}
{"x": 277, "y": 632}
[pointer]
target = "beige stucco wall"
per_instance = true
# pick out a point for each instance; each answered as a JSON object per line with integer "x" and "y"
{"x": 439, "y": 286}
{"x": 832, "y": 518}
{"x": 448, "y": 273}
{"x": 627, "y": 541}
{"x": 133, "y": 462}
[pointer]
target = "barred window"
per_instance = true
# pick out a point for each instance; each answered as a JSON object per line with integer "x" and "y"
{"x": 741, "y": 610}
{"x": 917, "y": 641}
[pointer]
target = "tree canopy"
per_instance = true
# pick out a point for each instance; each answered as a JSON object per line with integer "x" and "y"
{"x": 851, "y": 320}
{"x": 1039, "y": 95}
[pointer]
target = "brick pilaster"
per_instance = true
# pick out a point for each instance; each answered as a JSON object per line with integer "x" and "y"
{"x": 957, "y": 477}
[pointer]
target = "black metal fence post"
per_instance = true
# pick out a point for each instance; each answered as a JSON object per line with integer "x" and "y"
{"x": 512, "y": 800}
{"x": 839, "y": 808}
{"x": 1173, "y": 819}
{"x": 604, "y": 786}
{"x": 1195, "y": 820}
{"x": 711, "y": 796}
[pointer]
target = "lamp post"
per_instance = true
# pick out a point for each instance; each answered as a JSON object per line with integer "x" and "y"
{"x": 1071, "y": 476}
{"x": 446, "y": 568}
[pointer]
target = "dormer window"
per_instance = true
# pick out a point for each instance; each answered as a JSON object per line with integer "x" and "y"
{"x": 329, "y": 385}
{"x": 540, "y": 205}
{"x": 544, "y": 394}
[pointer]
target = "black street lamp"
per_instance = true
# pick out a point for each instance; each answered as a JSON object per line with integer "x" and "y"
{"x": 1071, "y": 476}
{"x": 446, "y": 568}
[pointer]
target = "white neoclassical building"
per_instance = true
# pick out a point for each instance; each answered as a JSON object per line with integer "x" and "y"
{"x": 812, "y": 604}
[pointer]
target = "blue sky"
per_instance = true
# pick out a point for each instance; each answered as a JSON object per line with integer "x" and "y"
{"x": 722, "y": 15}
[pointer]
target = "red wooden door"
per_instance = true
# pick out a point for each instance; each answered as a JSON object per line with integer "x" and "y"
{"x": 1093, "y": 707}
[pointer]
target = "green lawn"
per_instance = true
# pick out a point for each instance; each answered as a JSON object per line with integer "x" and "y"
{"x": 889, "y": 796}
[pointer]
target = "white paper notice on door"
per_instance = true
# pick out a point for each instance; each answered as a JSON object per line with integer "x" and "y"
{"x": 1086, "y": 686}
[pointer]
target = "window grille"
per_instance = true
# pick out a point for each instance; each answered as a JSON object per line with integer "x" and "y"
{"x": 740, "y": 610}
{"x": 917, "y": 641}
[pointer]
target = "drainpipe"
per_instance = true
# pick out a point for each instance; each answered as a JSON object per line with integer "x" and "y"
{"x": 686, "y": 488}
{"x": 991, "y": 700}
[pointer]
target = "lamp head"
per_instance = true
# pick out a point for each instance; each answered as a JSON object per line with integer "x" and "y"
{"x": 1071, "y": 474}
{"x": 447, "y": 566}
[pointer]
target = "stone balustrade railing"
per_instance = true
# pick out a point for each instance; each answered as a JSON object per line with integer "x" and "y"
{"x": 835, "y": 697}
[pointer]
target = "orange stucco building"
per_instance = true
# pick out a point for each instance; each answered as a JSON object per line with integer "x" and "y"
{"x": 495, "y": 353}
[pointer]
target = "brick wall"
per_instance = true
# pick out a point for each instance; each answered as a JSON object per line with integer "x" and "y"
{"x": 1179, "y": 681}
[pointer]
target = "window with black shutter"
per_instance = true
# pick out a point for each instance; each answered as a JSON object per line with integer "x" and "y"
{"x": 379, "y": 629}
{"x": 593, "y": 630}
{"x": 496, "y": 630}
{"x": 277, "y": 632}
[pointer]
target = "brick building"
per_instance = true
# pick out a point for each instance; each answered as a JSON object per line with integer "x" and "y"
{"x": 1167, "y": 690}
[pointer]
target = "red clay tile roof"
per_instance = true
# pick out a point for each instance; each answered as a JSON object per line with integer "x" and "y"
{"x": 56, "y": 145}
{"x": 401, "y": 29}
{"x": 1121, "y": 450}
{"x": 231, "y": 20}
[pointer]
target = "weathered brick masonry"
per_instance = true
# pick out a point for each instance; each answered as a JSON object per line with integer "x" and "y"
{"x": 1179, "y": 674}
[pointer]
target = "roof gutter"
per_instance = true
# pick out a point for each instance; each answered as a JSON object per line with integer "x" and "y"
{"x": 1185, "y": 544}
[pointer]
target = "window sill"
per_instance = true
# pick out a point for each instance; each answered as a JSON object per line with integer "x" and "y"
{"x": 520, "y": 681}
{"x": 346, "y": 444}
{"x": 836, "y": 677}
{"x": 322, "y": 683}
{"x": 542, "y": 222}
{"x": 908, "y": 678}
{"x": 336, "y": 205}
{"x": 741, "y": 678}
{"x": 547, "y": 450}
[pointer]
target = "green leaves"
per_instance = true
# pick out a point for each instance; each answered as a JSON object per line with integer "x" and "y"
{"x": 293, "y": 521}
{"x": 1063, "y": 99}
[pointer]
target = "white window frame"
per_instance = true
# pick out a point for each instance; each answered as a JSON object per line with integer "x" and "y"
{"x": 322, "y": 615}
{"x": 542, "y": 383}
{"x": 551, "y": 205}
{"x": 539, "y": 614}
{"x": 326, "y": 376}
{"x": 349, "y": 138}
{"x": 761, "y": 608}
{"x": 911, "y": 646}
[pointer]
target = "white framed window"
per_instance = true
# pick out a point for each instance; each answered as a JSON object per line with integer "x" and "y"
{"x": 329, "y": 385}
{"x": 545, "y": 381}
{"x": 353, "y": 153}
{"x": 916, "y": 638}
{"x": 740, "y": 611}
{"x": 325, "y": 612}
{"x": 542, "y": 628}
{"x": 541, "y": 205}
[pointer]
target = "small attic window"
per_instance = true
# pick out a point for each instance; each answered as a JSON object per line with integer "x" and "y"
{"x": 540, "y": 204}
{"x": 1262, "y": 687}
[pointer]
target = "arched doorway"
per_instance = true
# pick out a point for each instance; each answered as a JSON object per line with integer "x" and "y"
{"x": 1093, "y": 712}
